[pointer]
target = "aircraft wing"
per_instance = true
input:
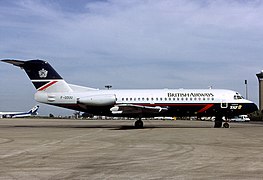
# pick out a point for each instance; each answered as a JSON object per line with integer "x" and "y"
{"x": 136, "y": 109}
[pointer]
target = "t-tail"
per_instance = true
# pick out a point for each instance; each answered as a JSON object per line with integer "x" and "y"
{"x": 42, "y": 75}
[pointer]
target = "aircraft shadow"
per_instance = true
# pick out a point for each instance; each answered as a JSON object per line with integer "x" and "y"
{"x": 110, "y": 127}
{"x": 157, "y": 127}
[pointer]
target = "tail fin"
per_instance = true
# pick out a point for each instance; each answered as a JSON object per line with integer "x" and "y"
{"x": 33, "y": 110}
{"x": 42, "y": 75}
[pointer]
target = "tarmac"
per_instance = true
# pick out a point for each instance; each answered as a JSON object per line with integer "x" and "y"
{"x": 113, "y": 149}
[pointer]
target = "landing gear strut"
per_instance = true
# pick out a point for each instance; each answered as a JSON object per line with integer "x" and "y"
{"x": 226, "y": 123}
{"x": 219, "y": 122}
{"x": 138, "y": 124}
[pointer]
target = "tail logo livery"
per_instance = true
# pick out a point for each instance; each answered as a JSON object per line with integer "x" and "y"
{"x": 136, "y": 103}
{"x": 42, "y": 73}
{"x": 33, "y": 111}
{"x": 45, "y": 86}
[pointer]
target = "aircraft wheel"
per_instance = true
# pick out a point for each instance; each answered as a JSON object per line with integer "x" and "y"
{"x": 226, "y": 125}
{"x": 218, "y": 122}
{"x": 138, "y": 124}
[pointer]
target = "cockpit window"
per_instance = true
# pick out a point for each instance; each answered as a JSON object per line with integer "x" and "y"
{"x": 238, "y": 96}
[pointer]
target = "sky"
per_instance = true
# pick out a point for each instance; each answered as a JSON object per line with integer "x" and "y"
{"x": 131, "y": 44}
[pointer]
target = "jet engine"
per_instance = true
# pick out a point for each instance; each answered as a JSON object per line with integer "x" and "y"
{"x": 98, "y": 100}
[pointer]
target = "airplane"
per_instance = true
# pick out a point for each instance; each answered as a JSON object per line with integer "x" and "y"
{"x": 52, "y": 89}
{"x": 31, "y": 112}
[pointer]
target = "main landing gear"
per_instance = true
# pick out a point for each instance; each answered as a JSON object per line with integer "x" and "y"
{"x": 219, "y": 122}
{"x": 138, "y": 124}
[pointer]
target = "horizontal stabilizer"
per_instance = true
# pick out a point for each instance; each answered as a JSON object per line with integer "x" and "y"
{"x": 14, "y": 62}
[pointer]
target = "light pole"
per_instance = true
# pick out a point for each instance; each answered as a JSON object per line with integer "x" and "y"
{"x": 246, "y": 91}
{"x": 260, "y": 80}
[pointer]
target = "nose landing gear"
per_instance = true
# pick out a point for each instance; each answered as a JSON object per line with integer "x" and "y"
{"x": 226, "y": 125}
{"x": 219, "y": 122}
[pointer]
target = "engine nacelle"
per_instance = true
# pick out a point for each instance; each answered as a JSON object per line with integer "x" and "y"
{"x": 98, "y": 100}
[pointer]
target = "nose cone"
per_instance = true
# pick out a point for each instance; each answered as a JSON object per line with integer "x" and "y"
{"x": 251, "y": 107}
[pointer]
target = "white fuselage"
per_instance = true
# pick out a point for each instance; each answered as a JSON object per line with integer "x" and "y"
{"x": 196, "y": 100}
{"x": 147, "y": 96}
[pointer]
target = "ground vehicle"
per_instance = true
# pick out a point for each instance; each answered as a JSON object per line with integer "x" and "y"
{"x": 240, "y": 118}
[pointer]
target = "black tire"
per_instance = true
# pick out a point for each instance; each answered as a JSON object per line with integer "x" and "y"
{"x": 226, "y": 125}
{"x": 218, "y": 124}
{"x": 138, "y": 124}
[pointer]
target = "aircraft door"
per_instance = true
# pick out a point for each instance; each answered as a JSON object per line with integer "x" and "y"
{"x": 224, "y": 104}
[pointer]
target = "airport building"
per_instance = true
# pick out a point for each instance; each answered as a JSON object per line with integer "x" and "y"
{"x": 260, "y": 80}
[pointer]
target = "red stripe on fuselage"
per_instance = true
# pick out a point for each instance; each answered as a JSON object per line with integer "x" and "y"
{"x": 205, "y": 108}
{"x": 47, "y": 85}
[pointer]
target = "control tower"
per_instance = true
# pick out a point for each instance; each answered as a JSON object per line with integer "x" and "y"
{"x": 260, "y": 80}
